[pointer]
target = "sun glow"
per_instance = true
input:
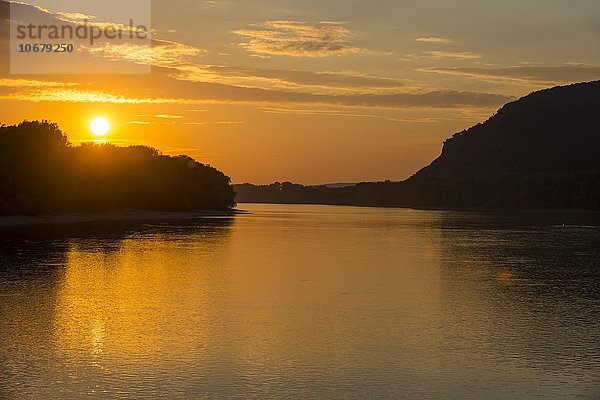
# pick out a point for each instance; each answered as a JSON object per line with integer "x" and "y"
{"x": 100, "y": 126}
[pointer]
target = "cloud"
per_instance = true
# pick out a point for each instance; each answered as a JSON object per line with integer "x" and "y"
{"x": 290, "y": 80}
{"x": 222, "y": 94}
{"x": 42, "y": 16}
{"x": 433, "y": 39}
{"x": 422, "y": 120}
{"x": 174, "y": 120}
{"x": 160, "y": 53}
{"x": 331, "y": 112}
{"x": 212, "y": 122}
{"x": 26, "y": 83}
{"x": 437, "y": 98}
{"x": 320, "y": 112}
{"x": 298, "y": 39}
{"x": 13, "y": 3}
{"x": 180, "y": 80}
{"x": 546, "y": 75}
{"x": 86, "y": 96}
{"x": 440, "y": 54}
{"x": 179, "y": 57}
{"x": 74, "y": 17}
{"x": 308, "y": 78}
{"x": 12, "y": 87}
{"x": 162, "y": 116}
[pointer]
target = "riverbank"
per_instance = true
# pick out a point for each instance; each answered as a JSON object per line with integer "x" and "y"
{"x": 121, "y": 215}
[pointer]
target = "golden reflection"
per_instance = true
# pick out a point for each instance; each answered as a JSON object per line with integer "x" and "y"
{"x": 127, "y": 299}
{"x": 98, "y": 337}
{"x": 506, "y": 277}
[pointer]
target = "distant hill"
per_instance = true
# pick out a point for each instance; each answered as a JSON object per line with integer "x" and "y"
{"x": 339, "y": 185}
{"x": 42, "y": 173}
{"x": 541, "y": 151}
{"x": 553, "y": 130}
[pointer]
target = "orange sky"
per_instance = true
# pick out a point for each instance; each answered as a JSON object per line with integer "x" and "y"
{"x": 310, "y": 91}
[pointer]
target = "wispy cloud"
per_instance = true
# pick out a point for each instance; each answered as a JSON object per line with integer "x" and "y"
{"x": 168, "y": 121}
{"x": 26, "y": 83}
{"x": 433, "y": 39}
{"x": 462, "y": 114}
{"x": 162, "y": 116}
{"x": 179, "y": 58}
{"x": 309, "y": 78}
{"x": 312, "y": 111}
{"x": 441, "y": 54}
{"x": 298, "y": 39}
{"x": 537, "y": 75}
{"x": 160, "y": 53}
{"x": 212, "y": 122}
{"x": 291, "y": 80}
{"x": 431, "y": 99}
{"x": 87, "y": 96}
{"x": 74, "y": 17}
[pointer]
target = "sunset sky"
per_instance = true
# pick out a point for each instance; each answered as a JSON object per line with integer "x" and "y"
{"x": 313, "y": 91}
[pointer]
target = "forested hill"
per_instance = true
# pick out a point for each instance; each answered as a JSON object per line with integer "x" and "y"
{"x": 41, "y": 173}
{"x": 553, "y": 130}
{"x": 542, "y": 151}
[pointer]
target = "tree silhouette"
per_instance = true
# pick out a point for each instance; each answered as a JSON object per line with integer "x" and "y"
{"x": 41, "y": 172}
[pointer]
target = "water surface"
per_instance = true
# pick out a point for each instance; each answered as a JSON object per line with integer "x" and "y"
{"x": 304, "y": 302}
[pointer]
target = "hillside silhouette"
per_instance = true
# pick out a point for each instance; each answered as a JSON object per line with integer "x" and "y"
{"x": 41, "y": 173}
{"x": 542, "y": 151}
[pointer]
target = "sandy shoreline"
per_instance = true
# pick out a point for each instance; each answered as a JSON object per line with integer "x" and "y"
{"x": 122, "y": 215}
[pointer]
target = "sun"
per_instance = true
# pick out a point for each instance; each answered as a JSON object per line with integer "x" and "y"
{"x": 100, "y": 126}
